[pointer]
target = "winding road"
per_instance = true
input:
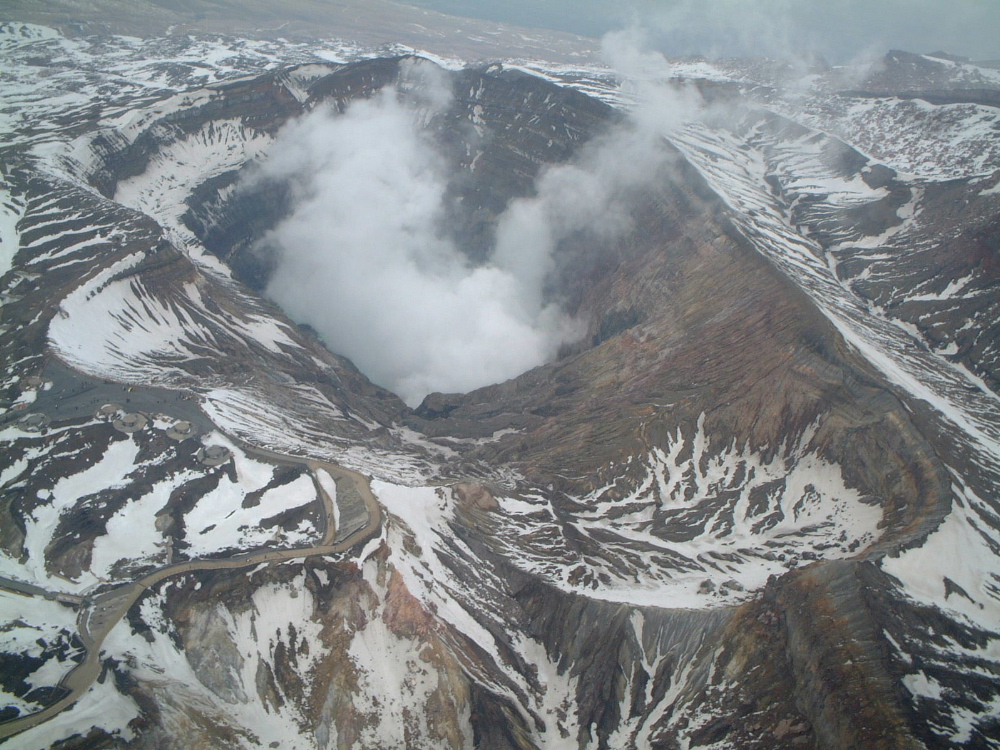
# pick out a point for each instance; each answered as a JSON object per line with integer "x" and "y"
{"x": 103, "y": 612}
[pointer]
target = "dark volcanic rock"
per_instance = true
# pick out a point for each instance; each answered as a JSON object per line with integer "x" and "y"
{"x": 537, "y": 600}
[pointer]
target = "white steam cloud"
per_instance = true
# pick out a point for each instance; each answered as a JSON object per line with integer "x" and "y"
{"x": 361, "y": 258}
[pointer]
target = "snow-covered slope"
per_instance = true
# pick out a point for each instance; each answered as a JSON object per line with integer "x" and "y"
{"x": 586, "y": 556}
{"x": 705, "y": 526}
{"x": 790, "y": 191}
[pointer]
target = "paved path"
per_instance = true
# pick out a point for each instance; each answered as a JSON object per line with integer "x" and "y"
{"x": 29, "y": 589}
{"x": 109, "y": 608}
{"x": 74, "y": 395}
{"x": 106, "y": 610}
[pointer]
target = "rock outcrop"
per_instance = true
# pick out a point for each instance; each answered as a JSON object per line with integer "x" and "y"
{"x": 729, "y": 516}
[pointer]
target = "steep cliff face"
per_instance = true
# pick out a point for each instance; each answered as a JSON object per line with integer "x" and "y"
{"x": 696, "y": 345}
{"x": 329, "y": 651}
{"x": 753, "y": 506}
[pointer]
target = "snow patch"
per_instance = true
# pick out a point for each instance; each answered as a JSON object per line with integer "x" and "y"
{"x": 219, "y": 521}
{"x": 963, "y": 551}
{"x": 111, "y": 471}
{"x": 179, "y": 167}
{"x": 744, "y": 518}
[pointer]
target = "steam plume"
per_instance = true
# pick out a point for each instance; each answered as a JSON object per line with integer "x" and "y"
{"x": 361, "y": 259}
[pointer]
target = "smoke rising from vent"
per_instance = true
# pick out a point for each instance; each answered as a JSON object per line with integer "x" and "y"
{"x": 362, "y": 260}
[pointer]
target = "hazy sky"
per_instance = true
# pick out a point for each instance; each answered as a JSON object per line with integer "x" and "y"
{"x": 837, "y": 29}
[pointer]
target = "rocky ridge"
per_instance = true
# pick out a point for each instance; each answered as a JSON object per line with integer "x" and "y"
{"x": 700, "y": 527}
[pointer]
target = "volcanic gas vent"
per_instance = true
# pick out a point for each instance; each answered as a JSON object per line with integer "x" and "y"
{"x": 442, "y": 229}
{"x": 759, "y": 474}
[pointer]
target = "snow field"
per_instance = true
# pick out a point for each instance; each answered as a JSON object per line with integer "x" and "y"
{"x": 738, "y": 175}
{"x": 776, "y": 512}
{"x": 933, "y": 142}
{"x": 219, "y": 522}
{"x": 11, "y": 211}
{"x": 426, "y": 511}
{"x": 112, "y": 470}
{"x": 29, "y": 626}
{"x": 132, "y": 535}
{"x": 182, "y": 165}
{"x": 395, "y": 681}
{"x": 168, "y": 671}
{"x": 101, "y": 707}
{"x": 955, "y": 570}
